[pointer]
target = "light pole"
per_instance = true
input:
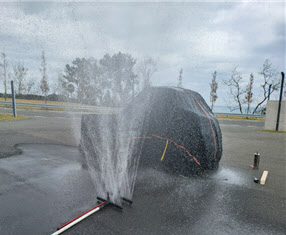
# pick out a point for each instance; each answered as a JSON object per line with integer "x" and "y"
{"x": 13, "y": 99}
{"x": 280, "y": 98}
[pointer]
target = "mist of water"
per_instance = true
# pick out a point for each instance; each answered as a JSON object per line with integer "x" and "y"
{"x": 112, "y": 153}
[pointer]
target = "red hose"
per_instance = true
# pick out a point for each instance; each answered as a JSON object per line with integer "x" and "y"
{"x": 180, "y": 146}
{"x": 81, "y": 215}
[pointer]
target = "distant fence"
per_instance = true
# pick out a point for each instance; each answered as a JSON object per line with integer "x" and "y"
{"x": 98, "y": 108}
{"x": 54, "y": 106}
{"x": 250, "y": 116}
{"x": 51, "y": 97}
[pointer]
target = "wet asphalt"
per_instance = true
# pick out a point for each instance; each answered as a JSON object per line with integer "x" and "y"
{"x": 43, "y": 185}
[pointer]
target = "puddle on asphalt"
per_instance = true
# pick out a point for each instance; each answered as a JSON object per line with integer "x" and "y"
{"x": 68, "y": 158}
{"x": 231, "y": 176}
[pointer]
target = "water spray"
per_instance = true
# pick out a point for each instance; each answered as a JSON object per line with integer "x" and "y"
{"x": 101, "y": 204}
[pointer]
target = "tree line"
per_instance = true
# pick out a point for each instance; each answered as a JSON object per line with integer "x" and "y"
{"x": 112, "y": 80}
{"x": 240, "y": 94}
{"x": 19, "y": 74}
{"x": 115, "y": 80}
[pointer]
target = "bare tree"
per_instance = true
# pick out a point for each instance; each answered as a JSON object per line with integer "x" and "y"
{"x": 235, "y": 89}
{"x": 20, "y": 73}
{"x": 44, "y": 83}
{"x": 180, "y": 79}
{"x": 269, "y": 78}
{"x": 61, "y": 85}
{"x": 146, "y": 70}
{"x": 4, "y": 65}
{"x": 249, "y": 94}
{"x": 214, "y": 86}
{"x": 30, "y": 85}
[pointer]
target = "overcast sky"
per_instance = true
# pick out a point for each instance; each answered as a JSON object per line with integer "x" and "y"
{"x": 198, "y": 37}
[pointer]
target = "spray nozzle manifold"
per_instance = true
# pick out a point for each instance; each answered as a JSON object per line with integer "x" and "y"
{"x": 108, "y": 201}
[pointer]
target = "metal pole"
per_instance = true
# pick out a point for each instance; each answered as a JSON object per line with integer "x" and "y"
{"x": 280, "y": 98}
{"x": 13, "y": 99}
{"x": 256, "y": 160}
{"x": 269, "y": 90}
